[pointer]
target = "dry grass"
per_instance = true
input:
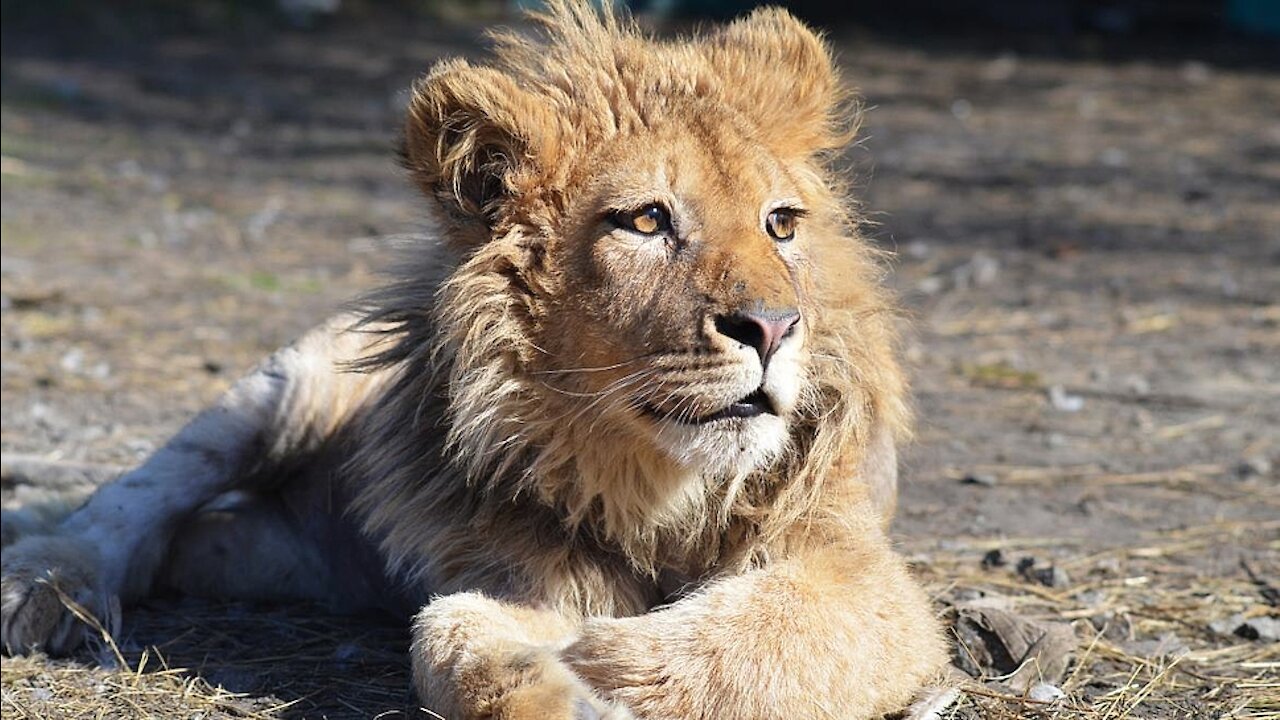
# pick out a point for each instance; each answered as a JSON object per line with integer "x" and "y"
{"x": 1143, "y": 618}
{"x": 180, "y": 658}
{"x": 39, "y": 688}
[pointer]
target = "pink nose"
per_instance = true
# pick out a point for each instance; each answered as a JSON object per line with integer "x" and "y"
{"x": 763, "y": 330}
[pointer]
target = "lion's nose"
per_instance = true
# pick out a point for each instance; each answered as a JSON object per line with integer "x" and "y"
{"x": 763, "y": 330}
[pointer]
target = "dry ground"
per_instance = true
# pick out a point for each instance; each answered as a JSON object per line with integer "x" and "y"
{"x": 1090, "y": 251}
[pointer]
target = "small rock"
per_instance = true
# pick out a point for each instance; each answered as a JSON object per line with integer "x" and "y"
{"x": 1046, "y": 693}
{"x": 1195, "y": 195}
{"x": 1052, "y": 576}
{"x": 931, "y": 285}
{"x": 994, "y": 559}
{"x": 1063, "y": 401}
{"x": 981, "y": 270}
{"x": 1137, "y": 385}
{"x": 983, "y": 479}
{"x": 41, "y": 694}
{"x": 1253, "y": 466}
{"x": 1168, "y": 645}
{"x": 1092, "y": 598}
{"x": 918, "y": 249}
{"x": 72, "y": 361}
{"x": 1266, "y": 629}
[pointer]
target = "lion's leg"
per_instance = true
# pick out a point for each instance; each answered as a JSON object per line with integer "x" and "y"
{"x": 248, "y": 549}
{"x": 476, "y": 657}
{"x": 113, "y": 545}
{"x": 840, "y": 632}
{"x": 118, "y": 538}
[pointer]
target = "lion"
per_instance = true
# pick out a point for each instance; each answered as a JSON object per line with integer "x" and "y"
{"x": 620, "y": 429}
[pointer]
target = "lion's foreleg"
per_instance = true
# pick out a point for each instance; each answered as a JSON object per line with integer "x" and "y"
{"x": 476, "y": 657}
{"x": 128, "y": 521}
{"x": 114, "y": 544}
{"x": 841, "y": 633}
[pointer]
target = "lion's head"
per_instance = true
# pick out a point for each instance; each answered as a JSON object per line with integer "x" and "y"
{"x": 660, "y": 317}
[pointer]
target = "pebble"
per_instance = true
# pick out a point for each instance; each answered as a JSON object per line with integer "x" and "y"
{"x": 1044, "y": 692}
{"x": 983, "y": 479}
{"x": 1254, "y": 466}
{"x": 1168, "y": 645}
{"x": 1265, "y": 629}
{"x": 919, "y": 249}
{"x": 1052, "y": 576}
{"x": 1092, "y": 598}
{"x": 41, "y": 694}
{"x": 1137, "y": 385}
{"x": 931, "y": 285}
{"x": 1064, "y": 401}
{"x": 981, "y": 270}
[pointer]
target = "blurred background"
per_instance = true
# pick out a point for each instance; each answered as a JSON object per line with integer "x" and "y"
{"x": 1083, "y": 198}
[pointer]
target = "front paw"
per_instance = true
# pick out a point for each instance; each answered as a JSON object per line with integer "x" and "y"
{"x": 474, "y": 659}
{"x": 536, "y": 685}
{"x": 38, "y": 576}
{"x": 512, "y": 684}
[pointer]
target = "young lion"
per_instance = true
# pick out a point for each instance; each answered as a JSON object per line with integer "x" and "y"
{"x": 623, "y": 429}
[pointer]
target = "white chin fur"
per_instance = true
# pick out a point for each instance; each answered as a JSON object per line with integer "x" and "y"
{"x": 725, "y": 449}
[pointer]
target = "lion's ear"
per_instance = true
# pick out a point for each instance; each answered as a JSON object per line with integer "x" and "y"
{"x": 780, "y": 73}
{"x": 471, "y": 135}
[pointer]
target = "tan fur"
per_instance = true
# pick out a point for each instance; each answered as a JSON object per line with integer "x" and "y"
{"x": 515, "y": 423}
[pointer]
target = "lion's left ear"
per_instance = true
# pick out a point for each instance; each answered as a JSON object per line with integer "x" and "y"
{"x": 474, "y": 139}
{"x": 779, "y": 72}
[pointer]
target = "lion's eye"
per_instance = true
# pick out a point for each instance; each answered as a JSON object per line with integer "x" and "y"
{"x": 781, "y": 224}
{"x": 648, "y": 220}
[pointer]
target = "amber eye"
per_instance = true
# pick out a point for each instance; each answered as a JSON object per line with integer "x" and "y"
{"x": 648, "y": 220}
{"x": 781, "y": 224}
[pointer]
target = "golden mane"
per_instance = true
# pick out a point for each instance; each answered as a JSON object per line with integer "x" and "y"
{"x": 469, "y": 428}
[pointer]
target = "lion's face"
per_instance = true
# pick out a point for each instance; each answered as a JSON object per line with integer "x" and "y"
{"x": 684, "y": 263}
{"x": 651, "y": 236}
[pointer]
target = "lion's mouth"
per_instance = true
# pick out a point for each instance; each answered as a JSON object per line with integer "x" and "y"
{"x": 752, "y": 405}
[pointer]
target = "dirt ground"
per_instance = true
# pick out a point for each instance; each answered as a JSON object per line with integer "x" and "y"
{"x": 1089, "y": 248}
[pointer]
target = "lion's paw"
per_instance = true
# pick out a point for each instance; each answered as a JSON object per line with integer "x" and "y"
{"x": 556, "y": 698}
{"x": 37, "y": 575}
